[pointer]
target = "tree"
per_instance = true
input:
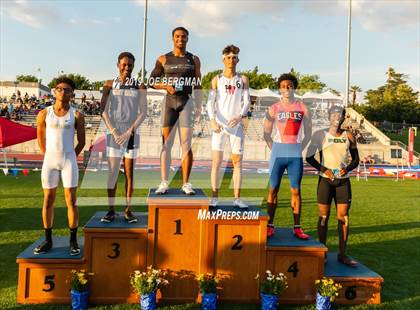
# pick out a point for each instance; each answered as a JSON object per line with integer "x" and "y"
{"x": 97, "y": 85}
{"x": 307, "y": 82}
{"x": 206, "y": 79}
{"x": 396, "y": 101}
{"x": 354, "y": 89}
{"x": 260, "y": 80}
{"x": 80, "y": 81}
{"x": 26, "y": 78}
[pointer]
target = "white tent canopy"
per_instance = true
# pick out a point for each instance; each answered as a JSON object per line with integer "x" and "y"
{"x": 265, "y": 92}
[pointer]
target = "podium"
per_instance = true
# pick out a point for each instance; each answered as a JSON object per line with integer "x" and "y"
{"x": 186, "y": 237}
{"x": 44, "y": 278}
{"x": 113, "y": 251}
{"x": 360, "y": 285}
{"x": 302, "y": 261}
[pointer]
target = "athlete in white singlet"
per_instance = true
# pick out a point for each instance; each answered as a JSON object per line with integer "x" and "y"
{"x": 228, "y": 103}
{"x": 56, "y": 127}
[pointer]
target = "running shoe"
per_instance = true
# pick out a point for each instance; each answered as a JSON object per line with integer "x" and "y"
{"x": 270, "y": 230}
{"x": 187, "y": 189}
{"x": 129, "y": 217}
{"x": 240, "y": 204}
{"x": 43, "y": 248}
{"x": 74, "y": 248}
{"x": 345, "y": 260}
{"x": 213, "y": 202}
{"x": 109, "y": 217}
{"x": 162, "y": 188}
{"x": 298, "y": 232}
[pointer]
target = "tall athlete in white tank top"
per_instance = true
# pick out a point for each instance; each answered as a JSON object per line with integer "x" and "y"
{"x": 228, "y": 103}
{"x": 56, "y": 127}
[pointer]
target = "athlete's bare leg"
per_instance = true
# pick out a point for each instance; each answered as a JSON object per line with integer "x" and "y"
{"x": 185, "y": 136}
{"x": 237, "y": 174}
{"x": 48, "y": 207}
{"x": 72, "y": 210}
{"x": 168, "y": 134}
{"x": 217, "y": 158}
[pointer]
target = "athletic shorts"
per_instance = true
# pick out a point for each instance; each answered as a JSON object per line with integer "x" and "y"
{"x": 53, "y": 164}
{"x": 130, "y": 150}
{"x": 177, "y": 111}
{"x": 236, "y": 139}
{"x": 339, "y": 189}
{"x": 286, "y": 156}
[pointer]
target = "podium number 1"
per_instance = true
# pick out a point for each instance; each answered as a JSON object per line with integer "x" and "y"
{"x": 178, "y": 227}
{"x": 49, "y": 280}
{"x": 116, "y": 250}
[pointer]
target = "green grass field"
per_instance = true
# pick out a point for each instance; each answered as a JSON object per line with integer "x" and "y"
{"x": 403, "y": 137}
{"x": 384, "y": 235}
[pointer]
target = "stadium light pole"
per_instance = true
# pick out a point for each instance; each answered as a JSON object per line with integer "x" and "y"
{"x": 346, "y": 100}
{"x": 143, "y": 60}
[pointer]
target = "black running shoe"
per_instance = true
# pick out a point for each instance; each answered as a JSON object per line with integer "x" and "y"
{"x": 129, "y": 217}
{"x": 43, "y": 248}
{"x": 74, "y": 248}
{"x": 109, "y": 217}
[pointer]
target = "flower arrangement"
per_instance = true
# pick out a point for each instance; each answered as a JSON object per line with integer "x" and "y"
{"x": 208, "y": 282}
{"x": 148, "y": 281}
{"x": 327, "y": 287}
{"x": 273, "y": 284}
{"x": 79, "y": 280}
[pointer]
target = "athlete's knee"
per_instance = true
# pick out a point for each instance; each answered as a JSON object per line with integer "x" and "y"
{"x": 237, "y": 161}
{"x": 343, "y": 219}
{"x": 323, "y": 220}
{"x": 186, "y": 146}
{"x": 295, "y": 192}
{"x": 272, "y": 195}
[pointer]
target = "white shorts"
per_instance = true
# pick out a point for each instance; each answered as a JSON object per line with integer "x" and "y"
{"x": 121, "y": 152}
{"x": 236, "y": 139}
{"x": 56, "y": 162}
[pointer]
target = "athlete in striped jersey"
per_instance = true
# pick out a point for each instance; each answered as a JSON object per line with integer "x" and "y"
{"x": 56, "y": 126}
{"x": 293, "y": 128}
{"x": 228, "y": 103}
{"x": 334, "y": 145}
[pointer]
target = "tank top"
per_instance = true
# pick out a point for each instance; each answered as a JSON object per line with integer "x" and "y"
{"x": 288, "y": 122}
{"x": 335, "y": 153}
{"x": 229, "y": 98}
{"x": 60, "y": 131}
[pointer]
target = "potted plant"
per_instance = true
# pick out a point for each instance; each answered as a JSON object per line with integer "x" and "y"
{"x": 145, "y": 284}
{"x": 271, "y": 287}
{"x": 207, "y": 284}
{"x": 79, "y": 289}
{"x": 326, "y": 291}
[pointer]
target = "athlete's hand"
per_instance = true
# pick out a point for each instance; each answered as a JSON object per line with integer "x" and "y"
{"x": 343, "y": 172}
{"x": 215, "y": 126}
{"x": 234, "y": 121}
{"x": 170, "y": 89}
{"x": 329, "y": 174}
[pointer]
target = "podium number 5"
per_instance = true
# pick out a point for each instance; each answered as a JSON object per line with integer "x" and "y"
{"x": 178, "y": 227}
{"x": 116, "y": 250}
{"x": 49, "y": 280}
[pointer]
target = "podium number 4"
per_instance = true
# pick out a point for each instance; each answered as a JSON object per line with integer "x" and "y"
{"x": 49, "y": 280}
{"x": 293, "y": 268}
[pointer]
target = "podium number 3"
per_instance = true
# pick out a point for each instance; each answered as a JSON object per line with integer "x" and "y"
{"x": 293, "y": 269}
{"x": 116, "y": 250}
{"x": 49, "y": 280}
{"x": 178, "y": 227}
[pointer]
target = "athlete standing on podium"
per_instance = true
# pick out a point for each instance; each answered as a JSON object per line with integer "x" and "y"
{"x": 334, "y": 145}
{"x": 291, "y": 120}
{"x": 178, "y": 72}
{"x": 56, "y": 126}
{"x": 227, "y": 105}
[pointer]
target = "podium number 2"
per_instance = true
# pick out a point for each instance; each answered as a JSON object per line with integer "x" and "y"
{"x": 178, "y": 227}
{"x": 237, "y": 245}
{"x": 116, "y": 250}
{"x": 293, "y": 268}
{"x": 49, "y": 280}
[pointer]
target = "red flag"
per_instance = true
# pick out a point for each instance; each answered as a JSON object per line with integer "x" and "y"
{"x": 410, "y": 145}
{"x": 13, "y": 133}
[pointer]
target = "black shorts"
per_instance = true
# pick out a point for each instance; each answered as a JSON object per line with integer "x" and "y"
{"x": 177, "y": 111}
{"x": 339, "y": 189}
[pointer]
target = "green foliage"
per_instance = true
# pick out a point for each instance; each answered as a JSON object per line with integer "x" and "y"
{"x": 207, "y": 283}
{"x": 260, "y": 80}
{"x": 97, "y": 85}
{"x": 354, "y": 89}
{"x": 26, "y": 78}
{"x": 81, "y": 81}
{"x": 327, "y": 287}
{"x": 147, "y": 281}
{"x": 206, "y": 79}
{"x": 396, "y": 101}
{"x": 273, "y": 284}
{"x": 308, "y": 82}
{"x": 79, "y": 280}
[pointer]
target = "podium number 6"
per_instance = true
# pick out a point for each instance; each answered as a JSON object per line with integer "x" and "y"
{"x": 116, "y": 250}
{"x": 49, "y": 280}
{"x": 350, "y": 293}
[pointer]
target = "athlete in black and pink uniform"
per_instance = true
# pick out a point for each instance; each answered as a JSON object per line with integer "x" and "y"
{"x": 293, "y": 127}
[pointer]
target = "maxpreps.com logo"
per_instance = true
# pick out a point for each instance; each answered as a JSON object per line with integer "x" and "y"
{"x": 220, "y": 214}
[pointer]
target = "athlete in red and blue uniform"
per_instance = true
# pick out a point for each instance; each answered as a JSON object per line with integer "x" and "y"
{"x": 292, "y": 126}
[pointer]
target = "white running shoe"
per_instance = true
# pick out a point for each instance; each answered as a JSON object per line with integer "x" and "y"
{"x": 162, "y": 188}
{"x": 187, "y": 189}
{"x": 240, "y": 204}
{"x": 213, "y": 202}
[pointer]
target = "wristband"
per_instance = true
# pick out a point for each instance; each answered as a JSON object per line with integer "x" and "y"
{"x": 113, "y": 130}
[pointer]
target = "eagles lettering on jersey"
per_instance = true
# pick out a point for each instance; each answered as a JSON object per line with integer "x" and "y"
{"x": 284, "y": 116}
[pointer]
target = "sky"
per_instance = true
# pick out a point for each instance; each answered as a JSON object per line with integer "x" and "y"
{"x": 310, "y": 36}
